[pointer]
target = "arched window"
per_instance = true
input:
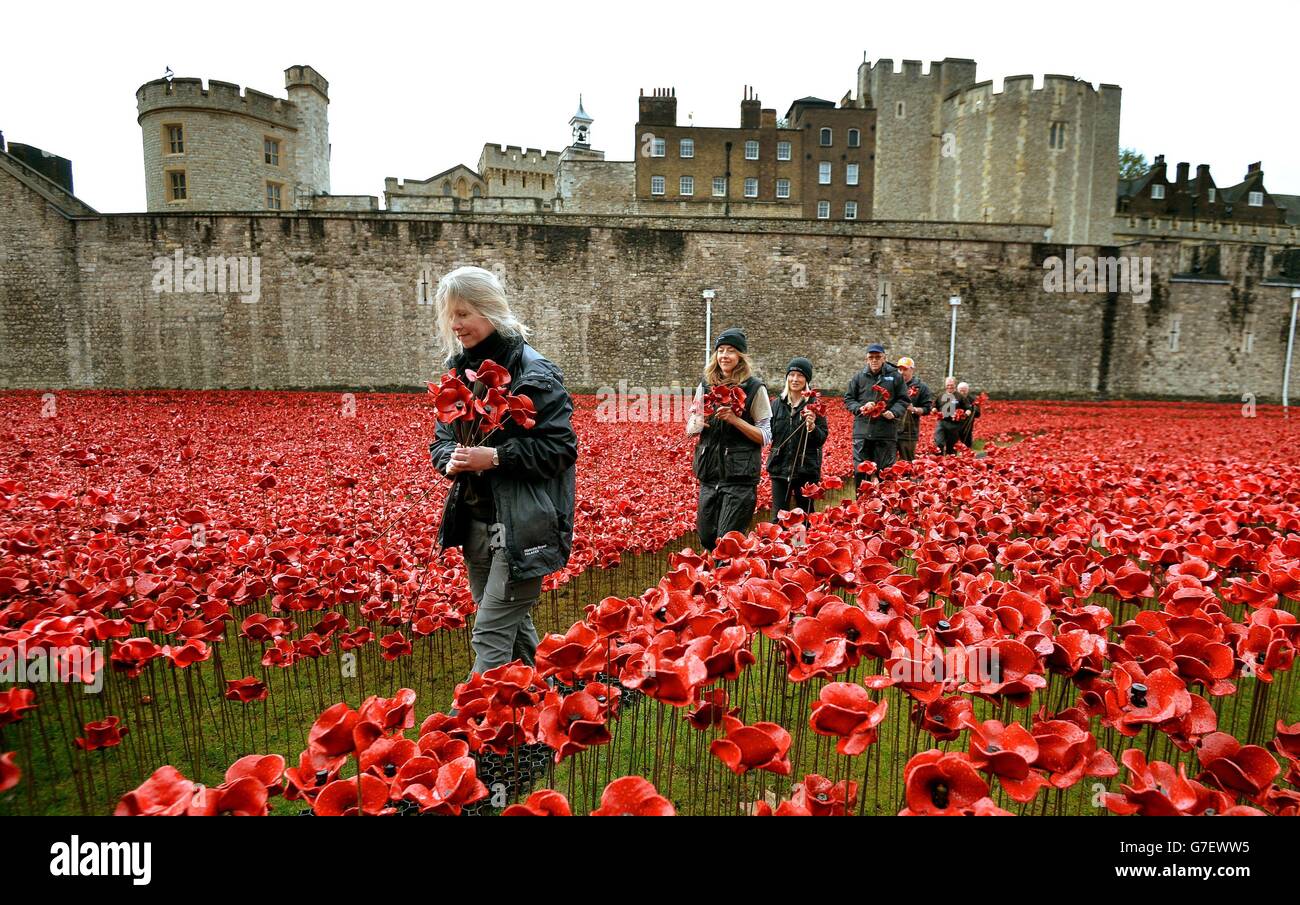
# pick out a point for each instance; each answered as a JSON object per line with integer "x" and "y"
{"x": 478, "y": 192}
{"x": 446, "y": 186}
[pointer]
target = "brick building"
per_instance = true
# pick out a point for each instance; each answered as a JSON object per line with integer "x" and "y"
{"x": 1198, "y": 197}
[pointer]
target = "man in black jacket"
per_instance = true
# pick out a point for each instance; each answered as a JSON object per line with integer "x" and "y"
{"x": 877, "y": 400}
{"x": 511, "y": 502}
{"x": 919, "y": 402}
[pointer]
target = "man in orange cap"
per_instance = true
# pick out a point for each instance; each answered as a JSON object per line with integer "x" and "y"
{"x": 920, "y": 402}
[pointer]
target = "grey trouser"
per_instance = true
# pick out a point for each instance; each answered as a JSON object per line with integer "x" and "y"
{"x": 723, "y": 508}
{"x": 503, "y": 623}
{"x": 881, "y": 450}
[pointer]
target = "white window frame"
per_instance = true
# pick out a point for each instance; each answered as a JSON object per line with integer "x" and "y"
{"x": 686, "y": 147}
{"x": 851, "y": 174}
{"x": 783, "y": 188}
{"x": 751, "y": 145}
{"x": 1255, "y": 199}
{"x": 783, "y": 150}
{"x": 824, "y": 173}
{"x": 658, "y": 147}
{"x": 751, "y": 186}
{"x": 1212, "y": 194}
{"x": 826, "y": 137}
{"x": 686, "y": 185}
{"x": 855, "y": 138}
{"x": 850, "y": 210}
{"x": 659, "y": 181}
{"x": 823, "y": 210}
{"x": 1157, "y": 192}
{"x": 719, "y": 186}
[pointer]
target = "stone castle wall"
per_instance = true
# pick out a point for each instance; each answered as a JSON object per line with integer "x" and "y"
{"x": 342, "y": 302}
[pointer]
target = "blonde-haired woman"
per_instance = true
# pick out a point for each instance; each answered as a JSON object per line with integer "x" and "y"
{"x": 510, "y": 506}
{"x": 729, "y": 454}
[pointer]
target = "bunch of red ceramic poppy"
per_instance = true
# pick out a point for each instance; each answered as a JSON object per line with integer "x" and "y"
{"x": 723, "y": 396}
{"x": 478, "y": 402}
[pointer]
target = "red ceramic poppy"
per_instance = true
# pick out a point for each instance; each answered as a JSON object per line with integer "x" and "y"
{"x": 105, "y": 733}
{"x": 762, "y": 746}
{"x": 543, "y": 803}
{"x": 633, "y": 796}
{"x": 846, "y": 710}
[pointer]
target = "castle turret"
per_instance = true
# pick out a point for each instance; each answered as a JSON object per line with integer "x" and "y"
{"x": 223, "y": 148}
{"x": 309, "y": 92}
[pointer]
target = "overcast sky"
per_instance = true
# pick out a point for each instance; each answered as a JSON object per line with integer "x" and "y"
{"x": 415, "y": 89}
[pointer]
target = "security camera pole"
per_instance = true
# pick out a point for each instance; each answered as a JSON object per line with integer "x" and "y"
{"x": 708, "y": 295}
{"x": 953, "y": 302}
{"x": 1290, "y": 345}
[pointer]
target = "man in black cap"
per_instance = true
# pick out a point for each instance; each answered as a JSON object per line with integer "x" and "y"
{"x": 877, "y": 397}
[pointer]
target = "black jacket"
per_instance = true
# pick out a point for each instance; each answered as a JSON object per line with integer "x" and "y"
{"x": 533, "y": 488}
{"x": 788, "y": 433}
{"x": 723, "y": 455}
{"x": 860, "y": 393}
{"x": 910, "y": 429}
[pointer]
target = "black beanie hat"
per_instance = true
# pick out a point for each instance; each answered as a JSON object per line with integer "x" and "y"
{"x": 802, "y": 365}
{"x": 734, "y": 337}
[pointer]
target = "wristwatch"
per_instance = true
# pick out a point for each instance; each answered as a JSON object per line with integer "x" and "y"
{"x": 496, "y": 457}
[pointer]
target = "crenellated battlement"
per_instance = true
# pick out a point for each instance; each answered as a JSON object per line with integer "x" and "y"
{"x": 513, "y": 157}
{"x": 177, "y": 93}
{"x": 1055, "y": 88}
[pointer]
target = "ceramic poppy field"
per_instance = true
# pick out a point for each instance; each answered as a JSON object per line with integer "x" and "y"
{"x": 1098, "y": 615}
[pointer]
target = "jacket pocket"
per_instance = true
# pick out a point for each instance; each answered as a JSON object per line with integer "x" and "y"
{"x": 535, "y": 522}
{"x": 741, "y": 463}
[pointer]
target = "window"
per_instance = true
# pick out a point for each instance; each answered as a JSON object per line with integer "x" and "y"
{"x": 658, "y": 147}
{"x": 1212, "y": 194}
{"x": 1157, "y": 192}
{"x": 850, "y": 210}
{"x": 900, "y": 110}
{"x": 824, "y": 173}
{"x": 656, "y": 185}
{"x": 825, "y": 137}
{"x": 686, "y": 147}
{"x": 751, "y": 150}
{"x": 1248, "y": 336}
{"x": 823, "y": 210}
{"x": 884, "y": 298}
{"x": 1056, "y": 138}
{"x": 175, "y": 138}
{"x": 783, "y": 188}
{"x": 1255, "y": 199}
{"x": 783, "y": 150}
{"x": 1175, "y": 331}
{"x": 477, "y": 192}
{"x": 176, "y": 185}
{"x": 686, "y": 185}
{"x": 855, "y": 138}
{"x": 271, "y": 151}
{"x": 719, "y": 186}
{"x": 851, "y": 174}
{"x": 446, "y": 187}
{"x": 273, "y": 196}
{"x": 751, "y": 187}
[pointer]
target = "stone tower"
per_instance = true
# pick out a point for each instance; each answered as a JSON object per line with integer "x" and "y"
{"x": 221, "y": 148}
{"x": 908, "y": 106}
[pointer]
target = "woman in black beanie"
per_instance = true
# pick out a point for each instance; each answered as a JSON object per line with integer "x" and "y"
{"x": 798, "y": 435}
{"x": 729, "y": 455}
